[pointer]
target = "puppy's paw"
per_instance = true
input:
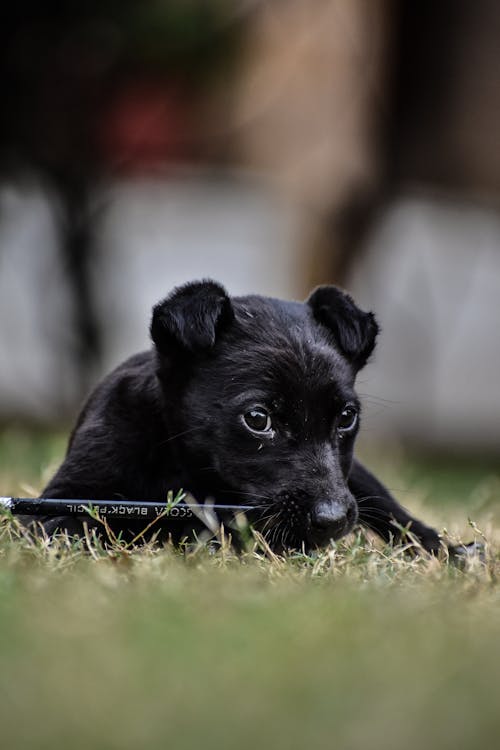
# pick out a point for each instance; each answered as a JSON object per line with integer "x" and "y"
{"x": 461, "y": 554}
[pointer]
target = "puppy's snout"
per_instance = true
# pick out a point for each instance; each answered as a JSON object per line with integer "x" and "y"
{"x": 332, "y": 519}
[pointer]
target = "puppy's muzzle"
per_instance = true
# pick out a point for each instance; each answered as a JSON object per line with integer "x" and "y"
{"x": 331, "y": 519}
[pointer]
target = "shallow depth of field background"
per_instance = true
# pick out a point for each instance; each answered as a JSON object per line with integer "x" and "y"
{"x": 272, "y": 146}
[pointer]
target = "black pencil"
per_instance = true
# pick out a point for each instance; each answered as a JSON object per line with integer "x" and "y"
{"x": 138, "y": 509}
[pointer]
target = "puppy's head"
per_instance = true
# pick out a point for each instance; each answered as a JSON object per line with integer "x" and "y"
{"x": 261, "y": 394}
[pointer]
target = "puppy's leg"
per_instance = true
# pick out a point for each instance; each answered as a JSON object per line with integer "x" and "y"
{"x": 378, "y": 510}
{"x": 72, "y": 525}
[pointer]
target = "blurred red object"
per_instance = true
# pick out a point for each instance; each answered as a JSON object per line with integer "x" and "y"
{"x": 147, "y": 124}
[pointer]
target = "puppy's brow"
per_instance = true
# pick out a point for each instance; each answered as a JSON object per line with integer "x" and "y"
{"x": 251, "y": 396}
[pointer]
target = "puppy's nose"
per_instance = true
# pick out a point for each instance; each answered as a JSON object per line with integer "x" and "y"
{"x": 330, "y": 518}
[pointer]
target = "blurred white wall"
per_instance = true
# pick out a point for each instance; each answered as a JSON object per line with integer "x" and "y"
{"x": 431, "y": 273}
{"x": 37, "y": 340}
{"x": 157, "y": 234}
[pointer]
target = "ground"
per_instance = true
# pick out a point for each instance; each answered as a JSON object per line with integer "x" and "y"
{"x": 362, "y": 646}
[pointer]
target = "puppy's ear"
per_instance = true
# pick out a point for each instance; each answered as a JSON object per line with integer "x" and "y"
{"x": 191, "y": 317}
{"x": 354, "y": 331}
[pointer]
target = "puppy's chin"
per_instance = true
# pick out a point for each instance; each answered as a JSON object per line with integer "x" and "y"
{"x": 306, "y": 538}
{"x": 317, "y": 539}
{"x": 320, "y": 538}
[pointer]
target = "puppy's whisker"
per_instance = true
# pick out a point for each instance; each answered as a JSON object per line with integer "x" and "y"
{"x": 369, "y": 526}
{"x": 273, "y": 537}
{"x": 178, "y": 435}
{"x": 365, "y": 508}
{"x": 374, "y": 516}
{"x": 268, "y": 521}
{"x": 271, "y": 531}
{"x": 272, "y": 514}
{"x": 375, "y": 399}
{"x": 284, "y": 536}
{"x": 248, "y": 495}
{"x": 279, "y": 530}
{"x": 364, "y": 498}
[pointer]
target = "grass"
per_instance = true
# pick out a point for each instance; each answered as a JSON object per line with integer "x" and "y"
{"x": 361, "y": 646}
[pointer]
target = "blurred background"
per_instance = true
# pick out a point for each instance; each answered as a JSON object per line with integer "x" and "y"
{"x": 272, "y": 145}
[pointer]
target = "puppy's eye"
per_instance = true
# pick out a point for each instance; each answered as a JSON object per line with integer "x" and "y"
{"x": 347, "y": 420}
{"x": 257, "y": 420}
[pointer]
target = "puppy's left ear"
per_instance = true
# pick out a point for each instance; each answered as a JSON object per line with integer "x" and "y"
{"x": 191, "y": 317}
{"x": 354, "y": 331}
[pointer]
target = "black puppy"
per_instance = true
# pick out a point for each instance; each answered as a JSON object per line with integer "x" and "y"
{"x": 245, "y": 400}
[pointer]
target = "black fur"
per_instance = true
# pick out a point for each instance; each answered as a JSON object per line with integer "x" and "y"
{"x": 354, "y": 331}
{"x": 173, "y": 418}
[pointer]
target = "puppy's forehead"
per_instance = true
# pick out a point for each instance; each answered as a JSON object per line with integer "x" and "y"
{"x": 259, "y": 308}
{"x": 279, "y": 345}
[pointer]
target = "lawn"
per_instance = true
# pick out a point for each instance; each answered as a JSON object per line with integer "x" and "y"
{"x": 360, "y": 647}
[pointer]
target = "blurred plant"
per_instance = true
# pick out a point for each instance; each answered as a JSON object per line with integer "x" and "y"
{"x": 187, "y": 38}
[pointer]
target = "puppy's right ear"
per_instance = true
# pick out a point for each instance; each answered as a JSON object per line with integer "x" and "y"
{"x": 354, "y": 331}
{"x": 191, "y": 317}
